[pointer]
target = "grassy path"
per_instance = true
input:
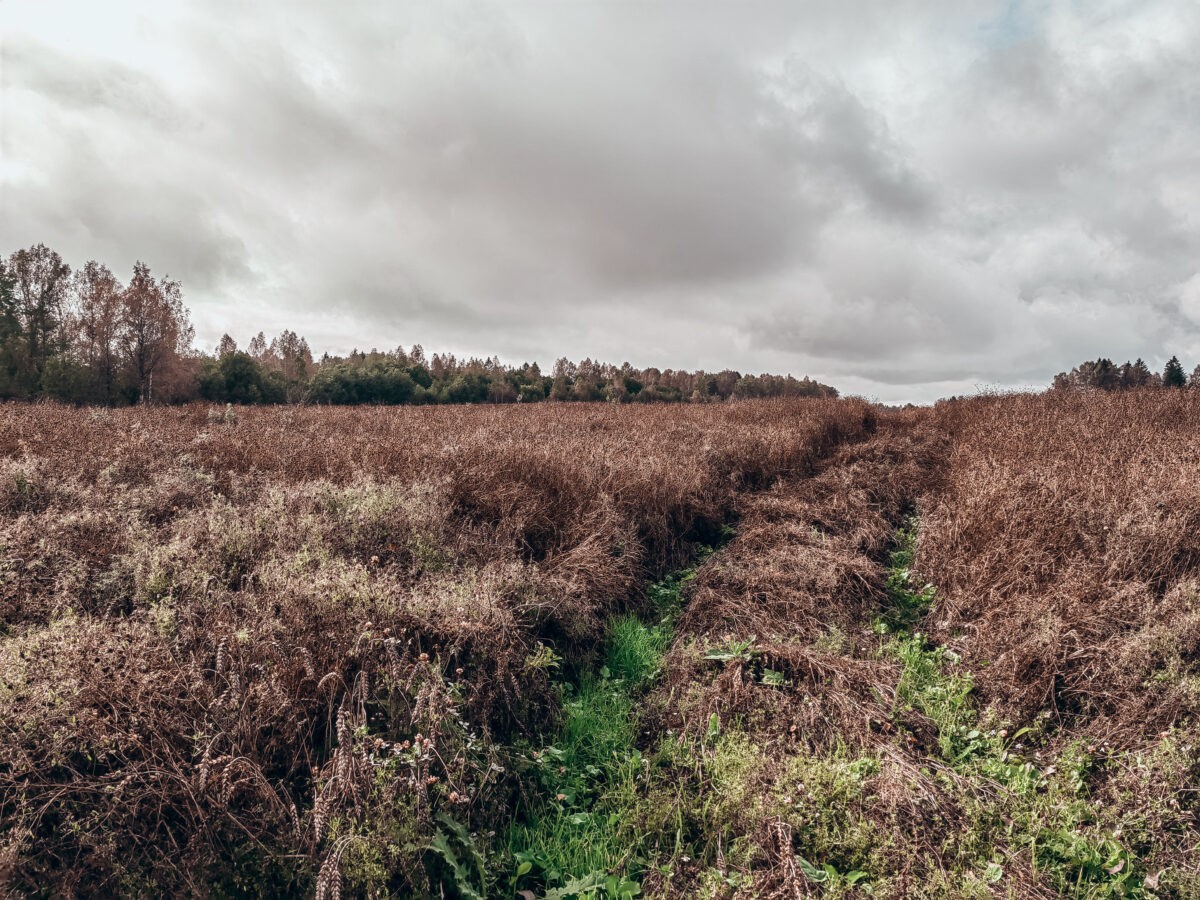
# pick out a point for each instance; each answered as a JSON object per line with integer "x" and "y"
{"x": 615, "y": 817}
{"x": 588, "y": 835}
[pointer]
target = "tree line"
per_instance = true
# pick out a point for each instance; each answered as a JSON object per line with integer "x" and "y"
{"x": 86, "y": 337}
{"x": 82, "y": 336}
{"x": 1105, "y": 375}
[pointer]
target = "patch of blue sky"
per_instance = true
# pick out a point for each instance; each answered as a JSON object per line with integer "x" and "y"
{"x": 1015, "y": 22}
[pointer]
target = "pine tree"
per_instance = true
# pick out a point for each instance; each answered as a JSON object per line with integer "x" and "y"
{"x": 1173, "y": 374}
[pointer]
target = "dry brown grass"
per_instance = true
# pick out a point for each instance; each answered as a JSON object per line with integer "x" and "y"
{"x": 250, "y": 652}
{"x": 805, "y": 577}
{"x": 807, "y": 552}
{"x": 1065, "y": 544}
{"x": 1063, "y": 536}
{"x": 235, "y": 652}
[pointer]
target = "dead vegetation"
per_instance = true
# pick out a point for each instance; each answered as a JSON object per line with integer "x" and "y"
{"x": 777, "y": 646}
{"x": 1010, "y": 711}
{"x": 239, "y": 647}
{"x": 1066, "y": 549}
{"x": 948, "y": 652}
{"x": 1065, "y": 543}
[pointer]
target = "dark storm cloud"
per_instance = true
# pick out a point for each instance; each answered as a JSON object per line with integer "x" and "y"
{"x": 907, "y": 199}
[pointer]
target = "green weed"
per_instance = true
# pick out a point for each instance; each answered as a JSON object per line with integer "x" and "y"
{"x": 636, "y": 650}
{"x": 591, "y": 834}
{"x": 731, "y": 651}
{"x": 908, "y": 601}
{"x": 1043, "y": 809}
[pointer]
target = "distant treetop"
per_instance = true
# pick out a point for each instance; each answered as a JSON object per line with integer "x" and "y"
{"x": 1102, "y": 375}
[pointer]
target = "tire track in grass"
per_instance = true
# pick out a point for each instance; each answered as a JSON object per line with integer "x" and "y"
{"x": 586, "y": 836}
{"x": 1037, "y": 819}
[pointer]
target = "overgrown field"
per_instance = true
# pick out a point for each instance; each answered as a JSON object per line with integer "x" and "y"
{"x": 750, "y": 649}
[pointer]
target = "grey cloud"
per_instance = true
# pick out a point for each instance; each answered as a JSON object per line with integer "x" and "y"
{"x": 905, "y": 199}
{"x": 96, "y": 213}
{"x": 84, "y": 84}
{"x": 840, "y": 144}
{"x": 878, "y": 307}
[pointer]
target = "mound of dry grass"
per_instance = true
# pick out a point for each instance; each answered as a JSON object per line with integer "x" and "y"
{"x": 775, "y": 649}
{"x": 806, "y": 558}
{"x": 1026, "y": 727}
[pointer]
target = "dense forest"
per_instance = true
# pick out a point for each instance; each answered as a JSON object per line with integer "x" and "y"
{"x": 83, "y": 336}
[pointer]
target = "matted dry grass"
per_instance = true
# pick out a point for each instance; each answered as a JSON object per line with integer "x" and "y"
{"x": 1065, "y": 543}
{"x": 229, "y": 645}
{"x": 803, "y": 580}
{"x": 234, "y": 653}
{"x": 1039, "y": 717}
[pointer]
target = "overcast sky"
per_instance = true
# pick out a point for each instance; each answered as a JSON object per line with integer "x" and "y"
{"x": 903, "y": 199}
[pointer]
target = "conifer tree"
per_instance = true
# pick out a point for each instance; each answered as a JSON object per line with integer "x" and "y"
{"x": 1173, "y": 374}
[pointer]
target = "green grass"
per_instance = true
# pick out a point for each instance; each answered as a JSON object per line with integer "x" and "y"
{"x": 591, "y": 832}
{"x": 908, "y": 602}
{"x": 636, "y": 650}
